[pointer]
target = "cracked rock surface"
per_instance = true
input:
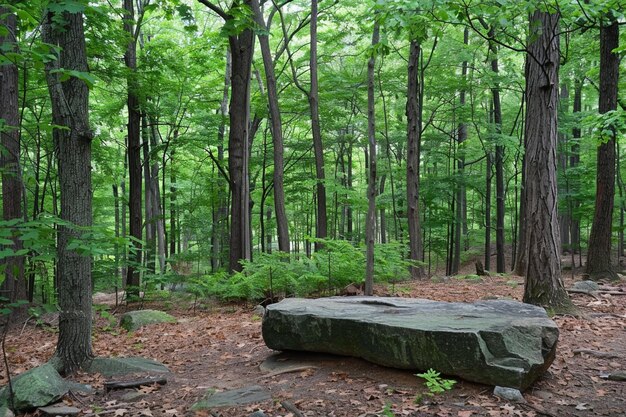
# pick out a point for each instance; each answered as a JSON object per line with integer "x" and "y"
{"x": 495, "y": 342}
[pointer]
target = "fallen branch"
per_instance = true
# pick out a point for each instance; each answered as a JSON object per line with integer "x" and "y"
{"x": 596, "y": 353}
{"x": 292, "y": 408}
{"x": 112, "y": 385}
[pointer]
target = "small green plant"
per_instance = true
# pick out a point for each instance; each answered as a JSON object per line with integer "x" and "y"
{"x": 387, "y": 411}
{"x": 435, "y": 383}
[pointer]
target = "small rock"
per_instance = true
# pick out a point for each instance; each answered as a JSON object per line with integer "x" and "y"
{"x": 586, "y": 286}
{"x": 133, "y": 320}
{"x": 510, "y": 394}
{"x": 59, "y": 410}
{"x": 617, "y": 376}
{"x": 259, "y": 310}
{"x": 258, "y": 414}
{"x": 133, "y": 396}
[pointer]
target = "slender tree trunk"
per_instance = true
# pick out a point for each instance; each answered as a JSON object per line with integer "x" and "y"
{"x": 150, "y": 212}
{"x": 241, "y": 48}
{"x": 370, "y": 221}
{"x": 14, "y": 285}
{"x": 414, "y": 127}
{"x": 499, "y": 163}
{"x": 134, "y": 152}
{"x": 70, "y": 109}
{"x": 282, "y": 224}
{"x": 599, "y": 264}
{"x": 321, "y": 229}
{"x": 460, "y": 161}
{"x": 574, "y": 161}
{"x": 221, "y": 214}
{"x": 488, "y": 169}
{"x": 544, "y": 285}
{"x": 564, "y": 215}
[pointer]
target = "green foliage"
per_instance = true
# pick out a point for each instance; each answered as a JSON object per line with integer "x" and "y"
{"x": 435, "y": 383}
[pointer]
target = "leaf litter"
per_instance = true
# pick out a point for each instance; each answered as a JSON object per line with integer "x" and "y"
{"x": 221, "y": 349}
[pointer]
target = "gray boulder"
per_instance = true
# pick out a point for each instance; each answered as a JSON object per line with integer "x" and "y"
{"x": 495, "y": 342}
{"x": 37, "y": 387}
{"x": 586, "y": 286}
{"x": 134, "y": 320}
{"x": 241, "y": 396}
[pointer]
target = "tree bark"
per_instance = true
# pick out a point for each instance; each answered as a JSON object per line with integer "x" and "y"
{"x": 414, "y": 128}
{"x": 241, "y": 48}
{"x": 544, "y": 285}
{"x": 70, "y": 109}
{"x": 370, "y": 221}
{"x": 599, "y": 253}
{"x": 14, "y": 285}
{"x": 282, "y": 224}
{"x": 134, "y": 152}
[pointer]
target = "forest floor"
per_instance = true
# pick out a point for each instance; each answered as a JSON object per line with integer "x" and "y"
{"x": 220, "y": 347}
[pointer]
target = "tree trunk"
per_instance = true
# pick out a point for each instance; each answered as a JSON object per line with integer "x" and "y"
{"x": 134, "y": 152}
{"x": 370, "y": 221}
{"x": 70, "y": 109}
{"x": 599, "y": 253}
{"x": 414, "y": 128}
{"x": 544, "y": 285}
{"x": 497, "y": 120}
{"x": 574, "y": 160}
{"x": 14, "y": 285}
{"x": 321, "y": 229}
{"x": 460, "y": 192}
{"x": 282, "y": 224}
{"x": 564, "y": 215}
{"x": 241, "y": 48}
{"x": 150, "y": 212}
{"x": 488, "y": 176}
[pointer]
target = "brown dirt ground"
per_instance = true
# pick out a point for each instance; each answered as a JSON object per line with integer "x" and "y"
{"x": 220, "y": 347}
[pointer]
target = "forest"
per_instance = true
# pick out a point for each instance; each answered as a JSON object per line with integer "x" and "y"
{"x": 241, "y": 152}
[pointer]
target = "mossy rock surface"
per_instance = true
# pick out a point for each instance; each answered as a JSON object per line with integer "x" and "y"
{"x": 495, "y": 342}
{"x": 37, "y": 387}
{"x": 134, "y": 320}
{"x": 126, "y": 366}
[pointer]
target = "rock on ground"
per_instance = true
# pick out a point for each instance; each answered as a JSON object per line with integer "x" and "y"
{"x": 37, "y": 387}
{"x": 133, "y": 320}
{"x": 495, "y": 342}
{"x": 125, "y": 366}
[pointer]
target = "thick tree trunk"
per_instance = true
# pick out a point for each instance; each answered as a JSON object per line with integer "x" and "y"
{"x": 370, "y": 221}
{"x": 544, "y": 285}
{"x": 321, "y": 229}
{"x": 14, "y": 285}
{"x": 241, "y": 48}
{"x": 134, "y": 152}
{"x": 70, "y": 109}
{"x": 599, "y": 253}
{"x": 414, "y": 127}
{"x": 282, "y": 224}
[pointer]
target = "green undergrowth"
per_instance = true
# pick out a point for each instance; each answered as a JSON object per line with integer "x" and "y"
{"x": 326, "y": 272}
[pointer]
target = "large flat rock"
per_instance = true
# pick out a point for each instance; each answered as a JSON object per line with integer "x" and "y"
{"x": 495, "y": 342}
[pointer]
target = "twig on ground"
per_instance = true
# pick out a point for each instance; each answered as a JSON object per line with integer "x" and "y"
{"x": 292, "y": 408}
